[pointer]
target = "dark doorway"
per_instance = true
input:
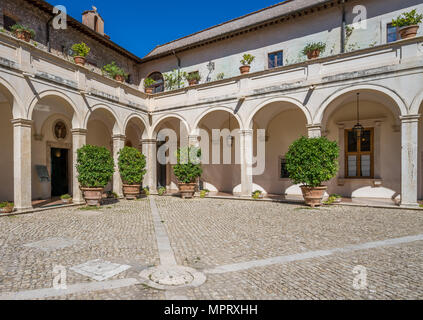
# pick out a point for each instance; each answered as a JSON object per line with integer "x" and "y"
{"x": 59, "y": 172}
{"x": 161, "y": 170}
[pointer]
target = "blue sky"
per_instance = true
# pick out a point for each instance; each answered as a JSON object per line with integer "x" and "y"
{"x": 139, "y": 26}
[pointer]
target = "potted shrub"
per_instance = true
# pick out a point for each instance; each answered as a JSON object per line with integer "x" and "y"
{"x": 115, "y": 72}
{"x": 187, "y": 170}
{"x": 66, "y": 198}
{"x": 247, "y": 60}
{"x": 161, "y": 191}
{"x": 148, "y": 83}
{"x": 80, "y": 52}
{"x": 313, "y": 50}
{"x": 95, "y": 169}
{"x": 193, "y": 78}
{"x": 7, "y": 207}
{"x": 23, "y": 33}
{"x": 131, "y": 165}
{"x": 310, "y": 162}
{"x": 257, "y": 195}
{"x": 408, "y": 24}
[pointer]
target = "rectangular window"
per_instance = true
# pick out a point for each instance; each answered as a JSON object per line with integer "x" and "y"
{"x": 8, "y": 22}
{"x": 275, "y": 59}
{"x": 392, "y": 33}
{"x": 283, "y": 173}
{"x": 359, "y": 154}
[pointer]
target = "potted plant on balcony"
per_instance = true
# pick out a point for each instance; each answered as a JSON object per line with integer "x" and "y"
{"x": 66, "y": 198}
{"x": 193, "y": 78}
{"x": 115, "y": 72}
{"x": 131, "y": 165}
{"x": 95, "y": 169}
{"x": 80, "y": 52}
{"x": 247, "y": 60}
{"x": 148, "y": 85}
{"x": 408, "y": 24}
{"x": 187, "y": 170}
{"x": 314, "y": 49}
{"x": 23, "y": 33}
{"x": 7, "y": 207}
{"x": 310, "y": 162}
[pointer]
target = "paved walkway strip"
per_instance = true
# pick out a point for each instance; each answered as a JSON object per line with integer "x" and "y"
{"x": 310, "y": 255}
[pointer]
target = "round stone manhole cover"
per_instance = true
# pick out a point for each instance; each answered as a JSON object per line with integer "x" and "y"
{"x": 172, "y": 277}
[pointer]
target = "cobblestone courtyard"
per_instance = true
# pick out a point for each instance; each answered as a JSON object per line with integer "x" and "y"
{"x": 246, "y": 250}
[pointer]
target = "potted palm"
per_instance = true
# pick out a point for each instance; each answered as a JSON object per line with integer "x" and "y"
{"x": 247, "y": 60}
{"x": 408, "y": 24}
{"x": 187, "y": 170}
{"x": 23, "y": 33}
{"x": 80, "y": 52}
{"x": 310, "y": 162}
{"x": 131, "y": 165}
{"x": 115, "y": 72}
{"x": 95, "y": 170}
{"x": 193, "y": 78}
{"x": 148, "y": 83}
{"x": 313, "y": 50}
{"x": 7, "y": 207}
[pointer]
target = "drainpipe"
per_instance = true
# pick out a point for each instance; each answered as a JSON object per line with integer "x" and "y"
{"x": 179, "y": 66}
{"x": 48, "y": 33}
{"x": 343, "y": 27}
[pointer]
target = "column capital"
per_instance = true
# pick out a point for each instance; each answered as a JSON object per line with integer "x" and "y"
{"x": 410, "y": 118}
{"x": 119, "y": 137}
{"x": 246, "y": 132}
{"x": 22, "y": 122}
{"x": 148, "y": 141}
{"x": 79, "y": 131}
{"x": 315, "y": 126}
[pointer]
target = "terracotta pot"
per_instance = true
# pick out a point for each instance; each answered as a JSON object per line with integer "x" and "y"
{"x": 192, "y": 82}
{"x": 66, "y": 201}
{"x": 244, "y": 69}
{"x": 7, "y": 209}
{"x": 119, "y": 78}
{"x": 131, "y": 191}
{"x": 187, "y": 190}
{"x": 93, "y": 196}
{"x": 149, "y": 90}
{"x": 313, "y": 196}
{"x": 23, "y": 35}
{"x": 80, "y": 60}
{"x": 313, "y": 54}
{"x": 408, "y": 31}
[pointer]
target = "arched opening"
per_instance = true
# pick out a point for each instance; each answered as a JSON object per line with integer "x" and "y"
{"x": 283, "y": 123}
{"x": 51, "y": 149}
{"x": 159, "y": 85}
{"x": 134, "y": 131}
{"x": 420, "y": 156}
{"x": 369, "y": 165}
{"x": 220, "y": 151}
{"x": 6, "y": 144}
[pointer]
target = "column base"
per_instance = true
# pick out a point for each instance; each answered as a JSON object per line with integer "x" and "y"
{"x": 23, "y": 209}
{"x": 410, "y": 205}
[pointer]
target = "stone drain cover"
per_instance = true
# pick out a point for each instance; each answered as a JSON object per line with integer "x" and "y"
{"x": 172, "y": 277}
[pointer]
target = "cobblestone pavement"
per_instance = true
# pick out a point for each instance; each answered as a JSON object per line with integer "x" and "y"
{"x": 209, "y": 233}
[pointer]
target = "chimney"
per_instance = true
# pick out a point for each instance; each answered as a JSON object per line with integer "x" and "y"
{"x": 93, "y": 20}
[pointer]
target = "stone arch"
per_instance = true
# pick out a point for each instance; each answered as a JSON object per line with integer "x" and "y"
{"x": 213, "y": 109}
{"x": 117, "y": 128}
{"x": 153, "y": 128}
{"x": 401, "y": 105}
{"x": 136, "y": 116}
{"x": 293, "y": 101}
{"x": 18, "y": 109}
{"x": 417, "y": 103}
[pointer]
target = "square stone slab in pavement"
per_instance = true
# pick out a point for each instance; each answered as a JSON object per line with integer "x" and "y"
{"x": 52, "y": 244}
{"x": 99, "y": 269}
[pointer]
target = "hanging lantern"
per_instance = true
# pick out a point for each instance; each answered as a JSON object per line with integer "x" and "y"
{"x": 358, "y": 128}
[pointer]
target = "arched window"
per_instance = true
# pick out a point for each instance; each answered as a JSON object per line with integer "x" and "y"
{"x": 159, "y": 85}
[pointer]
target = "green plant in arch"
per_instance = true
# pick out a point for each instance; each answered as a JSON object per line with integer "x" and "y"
{"x": 148, "y": 82}
{"x": 131, "y": 163}
{"x": 188, "y": 167}
{"x": 80, "y": 50}
{"x": 311, "y": 161}
{"x": 95, "y": 166}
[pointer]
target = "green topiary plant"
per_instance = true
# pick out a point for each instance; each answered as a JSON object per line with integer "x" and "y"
{"x": 131, "y": 163}
{"x": 95, "y": 166}
{"x": 247, "y": 59}
{"x": 113, "y": 70}
{"x": 80, "y": 50}
{"x": 314, "y": 46}
{"x": 188, "y": 167}
{"x": 311, "y": 161}
{"x": 408, "y": 19}
{"x": 20, "y": 28}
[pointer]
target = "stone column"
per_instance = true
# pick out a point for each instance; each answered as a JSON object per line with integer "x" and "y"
{"x": 22, "y": 164}
{"x": 118, "y": 144}
{"x": 314, "y": 130}
{"x": 193, "y": 140}
{"x": 79, "y": 138}
{"x": 246, "y": 159}
{"x": 149, "y": 149}
{"x": 409, "y": 160}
